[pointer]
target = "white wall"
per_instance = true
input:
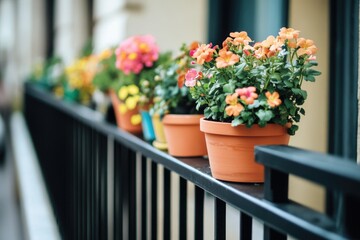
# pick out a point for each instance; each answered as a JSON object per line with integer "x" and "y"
{"x": 171, "y": 22}
{"x": 71, "y": 28}
{"x": 21, "y": 41}
{"x": 312, "y": 19}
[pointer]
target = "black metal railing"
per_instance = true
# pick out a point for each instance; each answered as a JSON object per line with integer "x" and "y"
{"x": 105, "y": 183}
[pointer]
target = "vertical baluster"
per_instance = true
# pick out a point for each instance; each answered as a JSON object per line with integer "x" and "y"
{"x": 183, "y": 209}
{"x": 167, "y": 208}
{"x": 82, "y": 189}
{"x": 245, "y": 226}
{"x": 103, "y": 184}
{"x": 92, "y": 182}
{"x": 124, "y": 170}
{"x": 79, "y": 182}
{"x": 131, "y": 182}
{"x": 86, "y": 182}
{"x": 220, "y": 219}
{"x": 275, "y": 190}
{"x": 199, "y": 213}
{"x": 153, "y": 200}
{"x": 97, "y": 152}
{"x": 143, "y": 198}
{"x": 75, "y": 177}
{"x": 118, "y": 192}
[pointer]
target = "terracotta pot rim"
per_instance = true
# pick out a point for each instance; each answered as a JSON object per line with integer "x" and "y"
{"x": 224, "y": 128}
{"x": 182, "y": 119}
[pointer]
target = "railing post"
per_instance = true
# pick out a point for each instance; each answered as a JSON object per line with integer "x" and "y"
{"x": 351, "y": 210}
{"x": 276, "y": 185}
{"x": 275, "y": 190}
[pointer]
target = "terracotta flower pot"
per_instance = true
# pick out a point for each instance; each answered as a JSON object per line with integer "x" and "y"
{"x": 123, "y": 120}
{"x": 183, "y": 135}
{"x": 160, "y": 139}
{"x": 231, "y": 149}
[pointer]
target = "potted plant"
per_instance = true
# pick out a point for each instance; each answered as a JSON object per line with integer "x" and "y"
{"x": 136, "y": 58}
{"x": 78, "y": 86}
{"x": 252, "y": 94}
{"x": 175, "y": 106}
{"x": 49, "y": 74}
{"x": 104, "y": 79}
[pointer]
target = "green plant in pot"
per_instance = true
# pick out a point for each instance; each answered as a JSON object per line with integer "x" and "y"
{"x": 250, "y": 90}
{"x": 136, "y": 60}
{"x": 177, "y": 109}
{"x": 49, "y": 74}
{"x": 105, "y": 79}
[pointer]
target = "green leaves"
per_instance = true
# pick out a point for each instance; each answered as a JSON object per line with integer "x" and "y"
{"x": 280, "y": 73}
{"x": 299, "y": 92}
{"x": 309, "y": 75}
{"x": 236, "y": 122}
{"x": 264, "y": 115}
{"x": 229, "y": 88}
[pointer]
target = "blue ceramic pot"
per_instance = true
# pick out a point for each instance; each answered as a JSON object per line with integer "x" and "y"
{"x": 147, "y": 126}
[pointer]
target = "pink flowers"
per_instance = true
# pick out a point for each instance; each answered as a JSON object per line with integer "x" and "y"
{"x": 135, "y": 53}
{"x": 191, "y": 77}
{"x": 248, "y": 95}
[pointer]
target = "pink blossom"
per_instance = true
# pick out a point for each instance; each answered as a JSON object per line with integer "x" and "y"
{"x": 191, "y": 77}
{"x": 248, "y": 95}
{"x": 135, "y": 53}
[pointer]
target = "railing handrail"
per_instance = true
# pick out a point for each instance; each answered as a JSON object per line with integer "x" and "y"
{"x": 288, "y": 217}
{"x": 330, "y": 171}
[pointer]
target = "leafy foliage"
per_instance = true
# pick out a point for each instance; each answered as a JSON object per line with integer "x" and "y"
{"x": 171, "y": 96}
{"x": 255, "y": 84}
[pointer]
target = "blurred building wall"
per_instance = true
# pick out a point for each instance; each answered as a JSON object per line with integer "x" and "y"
{"x": 312, "y": 19}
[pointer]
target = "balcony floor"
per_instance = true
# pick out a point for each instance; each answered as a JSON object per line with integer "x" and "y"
{"x": 10, "y": 221}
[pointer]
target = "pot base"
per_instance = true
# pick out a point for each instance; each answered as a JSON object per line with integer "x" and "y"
{"x": 231, "y": 149}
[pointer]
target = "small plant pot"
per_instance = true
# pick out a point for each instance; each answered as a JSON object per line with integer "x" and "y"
{"x": 160, "y": 139}
{"x": 123, "y": 120}
{"x": 147, "y": 126}
{"x": 231, "y": 149}
{"x": 183, "y": 135}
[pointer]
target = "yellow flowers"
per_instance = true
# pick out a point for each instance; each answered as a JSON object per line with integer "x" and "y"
{"x": 135, "y": 119}
{"x": 130, "y": 96}
{"x": 131, "y": 102}
{"x": 125, "y": 91}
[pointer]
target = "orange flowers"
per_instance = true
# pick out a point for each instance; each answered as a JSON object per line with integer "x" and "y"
{"x": 240, "y": 38}
{"x": 306, "y": 46}
{"x": 203, "y": 53}
{"x": 234, "y": 108}
{"x": 273, "y": 99}
{"x": 226, "y": 58}
{"x": 288, "y": 33}
{"x": 248, "y": 96}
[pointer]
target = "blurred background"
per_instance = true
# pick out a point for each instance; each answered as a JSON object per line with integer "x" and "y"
{"x": 32, "y": 31}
